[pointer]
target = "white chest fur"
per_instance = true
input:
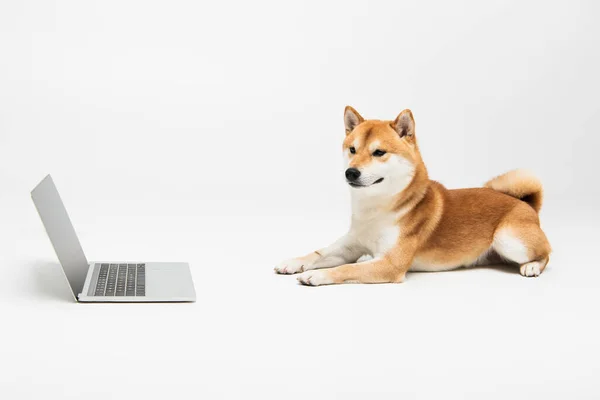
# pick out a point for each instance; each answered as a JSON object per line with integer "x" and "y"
{"x": 377, "y": 234}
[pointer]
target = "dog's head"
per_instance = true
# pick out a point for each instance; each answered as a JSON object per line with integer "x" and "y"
{"x": 381, "y": 156}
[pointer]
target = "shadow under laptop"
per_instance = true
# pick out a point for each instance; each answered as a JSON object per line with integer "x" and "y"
{"x": 49, "y": 282}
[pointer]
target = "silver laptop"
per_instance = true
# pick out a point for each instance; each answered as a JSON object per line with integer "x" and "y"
{"x": 123, "y": 281}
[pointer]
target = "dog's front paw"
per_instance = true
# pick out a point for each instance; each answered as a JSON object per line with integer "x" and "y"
{"x": 315, "y": 278}
{"x": 291, "y": 266}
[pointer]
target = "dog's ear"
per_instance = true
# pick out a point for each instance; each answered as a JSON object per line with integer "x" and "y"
{"x": 351, "y": 119}
{"x": 404, "y": 124}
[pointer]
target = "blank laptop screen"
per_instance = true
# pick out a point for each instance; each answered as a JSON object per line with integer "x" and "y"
{"x": 62, "y": 235}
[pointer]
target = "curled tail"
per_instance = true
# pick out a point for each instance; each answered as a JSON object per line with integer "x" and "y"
{"x": 520, "y": 184}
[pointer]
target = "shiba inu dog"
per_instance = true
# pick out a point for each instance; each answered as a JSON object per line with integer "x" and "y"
{"x": 408, "y": 222}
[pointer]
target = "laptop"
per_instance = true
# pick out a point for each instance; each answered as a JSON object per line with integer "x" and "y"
{"x": 123, "y": 281}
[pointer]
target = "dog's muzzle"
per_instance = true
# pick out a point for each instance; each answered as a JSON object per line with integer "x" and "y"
{"x": 353, "y": 177}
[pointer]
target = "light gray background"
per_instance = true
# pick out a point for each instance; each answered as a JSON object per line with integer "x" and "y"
{"x": 210, "y": 132}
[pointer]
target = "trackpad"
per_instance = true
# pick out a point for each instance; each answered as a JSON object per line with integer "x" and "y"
{"x": 167, "y": 280}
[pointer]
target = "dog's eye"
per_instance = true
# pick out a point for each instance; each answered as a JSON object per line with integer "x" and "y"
{"x": 352, "y": 150}
{"x": 378, "y": 153}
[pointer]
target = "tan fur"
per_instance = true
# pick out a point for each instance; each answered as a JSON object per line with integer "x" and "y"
{"x": 439, "y": 229}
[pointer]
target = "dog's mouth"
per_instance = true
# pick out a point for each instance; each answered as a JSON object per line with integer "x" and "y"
{"x": 358, "y": 185}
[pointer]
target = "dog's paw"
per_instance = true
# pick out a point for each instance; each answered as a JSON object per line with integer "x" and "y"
{"x": 291, "y": 266}
{"x": 533, "y": 268}
{"x": 314, "y": 278}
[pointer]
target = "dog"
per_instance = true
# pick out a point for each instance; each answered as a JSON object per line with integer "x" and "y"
{"x": 407, "y": 222}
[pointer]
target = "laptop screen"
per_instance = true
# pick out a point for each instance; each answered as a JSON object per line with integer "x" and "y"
{"x": 61, "y": 233}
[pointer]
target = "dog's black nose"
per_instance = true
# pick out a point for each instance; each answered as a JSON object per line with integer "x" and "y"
{"x": 352, "y": 174}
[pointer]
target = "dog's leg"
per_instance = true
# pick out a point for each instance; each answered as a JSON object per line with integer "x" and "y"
{"x": 343, "y": 251}
{"x": 390, "y": 268}
{"x": 524, "y": 244}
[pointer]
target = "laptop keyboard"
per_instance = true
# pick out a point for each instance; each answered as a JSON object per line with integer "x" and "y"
{"x": 121, "y": 280}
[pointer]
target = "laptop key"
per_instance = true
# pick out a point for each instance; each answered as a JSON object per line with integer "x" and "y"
{"x": 130, "y": 287}
{"x": 140, "y": 289}
{"x": 112, "y": 279}
{"x": 102, "y": 276}
{"x": 121, "y": 279}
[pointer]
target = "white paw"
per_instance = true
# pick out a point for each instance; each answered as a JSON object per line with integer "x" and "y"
{"x": 291, "y": 266}
{"x": 314, "y": 278}
{"x": 531, "y": 268}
